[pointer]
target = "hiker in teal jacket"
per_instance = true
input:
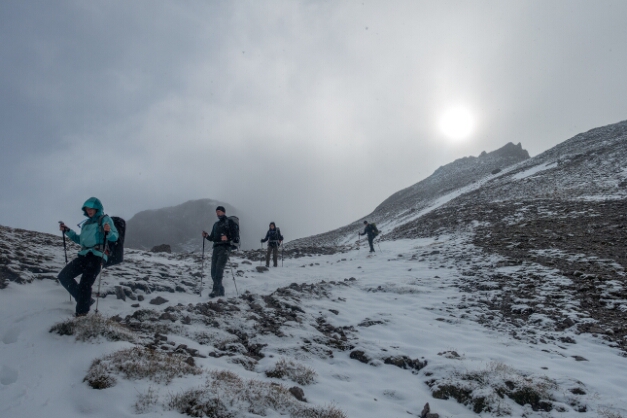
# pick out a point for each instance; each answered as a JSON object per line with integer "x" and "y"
{"x": 91, "y": 256}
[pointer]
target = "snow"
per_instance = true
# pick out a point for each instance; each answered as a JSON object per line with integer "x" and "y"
{"x": 533, "y": 170}
{"x": 415, "y": 306}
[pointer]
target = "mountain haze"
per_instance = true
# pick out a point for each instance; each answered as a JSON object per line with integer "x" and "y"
{"x": 181, "y": 226}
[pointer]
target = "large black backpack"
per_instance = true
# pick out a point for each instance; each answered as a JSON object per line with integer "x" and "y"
{"x": 115, "y": 254}
{"x": 234, "y": 230}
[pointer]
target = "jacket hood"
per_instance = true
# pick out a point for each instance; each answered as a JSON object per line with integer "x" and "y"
{"x": 93, "y": 203}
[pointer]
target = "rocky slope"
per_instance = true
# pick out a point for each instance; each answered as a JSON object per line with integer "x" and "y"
{"x": 409, "y": 203}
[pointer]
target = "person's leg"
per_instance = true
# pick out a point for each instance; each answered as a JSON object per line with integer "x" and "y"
{"x": 69, "y": 272}
{"x": 222, "y": 258}
{"x": 214, "y": 264}
{"x": 370, "y": 240}
{"x": 90, "y": 272}
{"x": 275, "y": 256}
{"x": 268, "y": 255}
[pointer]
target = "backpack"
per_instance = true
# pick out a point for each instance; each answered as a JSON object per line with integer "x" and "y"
{"x": 115, "y": 255}
{"x": 234, "y": 230}
{"x": 375, "y": 230}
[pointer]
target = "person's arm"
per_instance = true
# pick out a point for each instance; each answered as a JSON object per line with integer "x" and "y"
{"x": 109, "y": 227}
{"x": 211, "y": 236}
{"x": 73, "y": 236}
{"x": 267, "y": 237}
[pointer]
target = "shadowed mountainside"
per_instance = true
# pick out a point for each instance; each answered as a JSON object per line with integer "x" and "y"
{"x": 179, "y": 226}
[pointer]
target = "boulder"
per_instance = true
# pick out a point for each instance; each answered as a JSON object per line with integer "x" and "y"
{"x": 158, "y": 301}
{"x": 163, "y": 248}
{"x": 298, "y": 393}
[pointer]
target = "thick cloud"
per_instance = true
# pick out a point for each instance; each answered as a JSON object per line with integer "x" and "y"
{"x": 307, "y": 113}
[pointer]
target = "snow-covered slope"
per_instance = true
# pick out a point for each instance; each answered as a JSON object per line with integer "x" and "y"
{"x": 361, "y": 335}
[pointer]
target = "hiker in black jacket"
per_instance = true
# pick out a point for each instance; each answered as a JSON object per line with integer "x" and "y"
{"x": 371, "y": 232}
{"x": 275, "y": 239}
{"x": 221, "y": 235}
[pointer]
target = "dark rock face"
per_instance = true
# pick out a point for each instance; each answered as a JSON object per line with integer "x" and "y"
{"x": 163, "y": 248}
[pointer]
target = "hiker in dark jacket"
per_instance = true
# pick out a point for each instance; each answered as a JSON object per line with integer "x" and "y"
{"x": 90, "y": 258}
{"x": 371, "y": 233}
{"x": 221, "y": 236}
{"x": 275, "y": 239}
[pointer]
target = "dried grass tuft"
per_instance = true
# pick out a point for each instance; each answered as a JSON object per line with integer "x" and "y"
{"x": 140, "y": 363}
{"x": 226, "y": 395}
{"x": 296, "y": 372}
{"x": 92, "y": 327}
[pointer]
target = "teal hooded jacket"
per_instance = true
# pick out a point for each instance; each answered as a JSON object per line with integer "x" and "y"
{"x": 91, "y": 238}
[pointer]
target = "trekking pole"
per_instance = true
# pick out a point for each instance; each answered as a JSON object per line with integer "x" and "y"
{"x": 64, "y": 245}
{"x": 202, "y": 266}
{"x": 260, "y": 253}
{"x": 64, "y": 250}
{"x": 233, "y": 275}
{"x": 102, "y": 266}
{"x": 282, "y": 247}
{"x": 379, "y": 246}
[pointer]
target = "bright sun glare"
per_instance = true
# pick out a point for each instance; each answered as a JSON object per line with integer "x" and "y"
{"x": 457, "y": 123}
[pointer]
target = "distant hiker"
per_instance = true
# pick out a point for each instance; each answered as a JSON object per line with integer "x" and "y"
{"x": 275, "y": 239}
{"x": 224, "y": 234}
{"x": 371, "y": 231}
{"x": 92, "y": 255}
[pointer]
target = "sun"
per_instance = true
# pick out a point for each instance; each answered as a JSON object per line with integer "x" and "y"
{"x": 457, "y": 123}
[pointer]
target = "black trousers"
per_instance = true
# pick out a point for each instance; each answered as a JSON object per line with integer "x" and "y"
{"x": 87, "y": 265}
{"x": 274, "y": 250}
{"x": 218, "y": 262}
{"x": 370, "y": 239}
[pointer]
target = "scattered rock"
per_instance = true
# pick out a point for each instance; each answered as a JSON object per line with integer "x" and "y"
{"x": 163, "y": 248}
{"x": 405, "y": 362}
{"x": 119, "y": 293}
{"x": 158, "y": 301}
{"x": 298, "y": 393}
{"x": 261, "y": 269}
{"x": 359, "y": 356}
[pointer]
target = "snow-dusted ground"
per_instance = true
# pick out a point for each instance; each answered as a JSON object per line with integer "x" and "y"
{"x": 402, "y": 303}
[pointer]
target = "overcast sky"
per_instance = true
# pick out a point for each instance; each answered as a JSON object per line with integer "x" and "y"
{"x": 308, "y": 113}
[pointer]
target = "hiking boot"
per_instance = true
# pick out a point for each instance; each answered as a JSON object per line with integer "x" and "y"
{"x": 80, "y": 315}
{"x": 213, "y": 294}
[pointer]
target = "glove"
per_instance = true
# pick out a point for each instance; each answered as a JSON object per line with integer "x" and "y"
{"x": 261, "y": 241}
